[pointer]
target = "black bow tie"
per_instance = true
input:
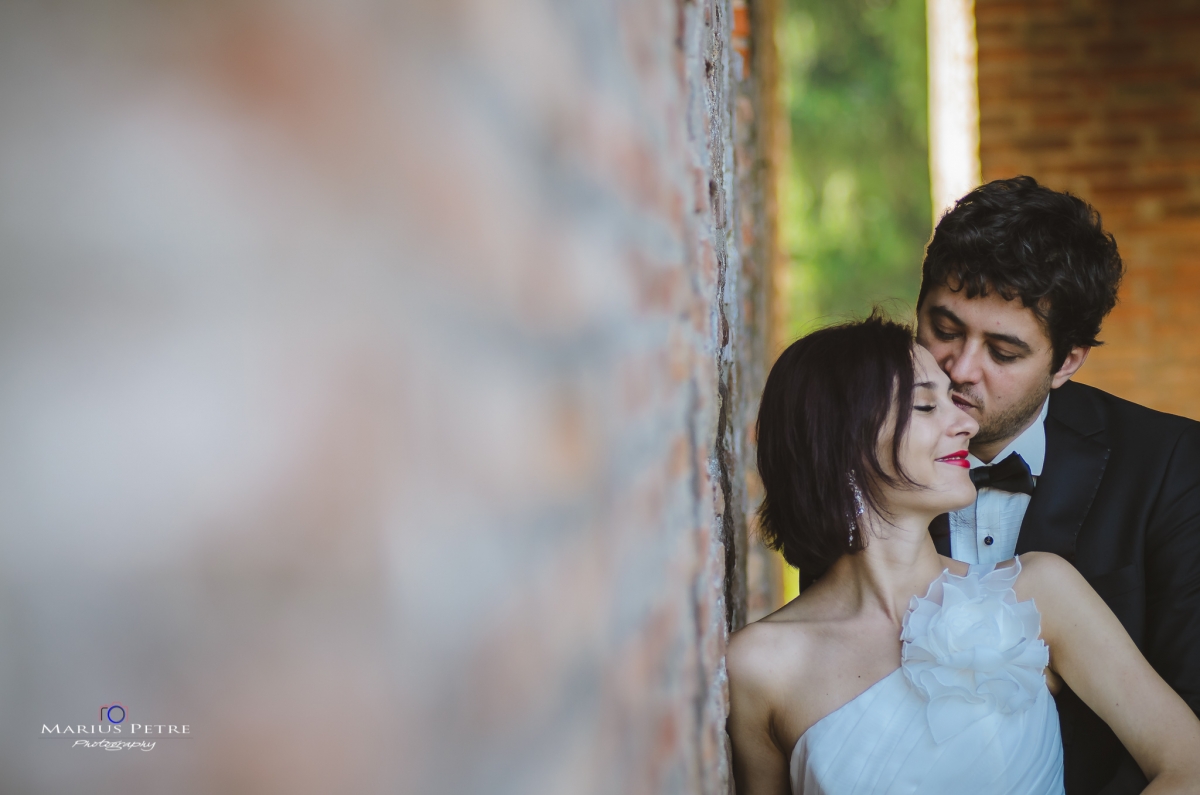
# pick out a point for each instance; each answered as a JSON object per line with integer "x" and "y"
{"x": 1011, "y": 474}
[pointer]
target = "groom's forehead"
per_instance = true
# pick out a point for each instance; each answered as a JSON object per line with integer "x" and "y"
{"x": 990, "y": 313}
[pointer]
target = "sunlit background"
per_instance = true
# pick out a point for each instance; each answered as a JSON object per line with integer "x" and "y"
{"x": 855, "y": 209}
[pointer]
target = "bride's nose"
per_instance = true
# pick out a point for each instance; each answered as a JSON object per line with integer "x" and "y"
{"x": 963, "y": 425}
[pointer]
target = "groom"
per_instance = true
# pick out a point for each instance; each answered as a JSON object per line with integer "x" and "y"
{"x": 1016, "y": 282}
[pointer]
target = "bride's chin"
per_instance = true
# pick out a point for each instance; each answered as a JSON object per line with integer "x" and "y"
{"x": 960, "y": 501}
{"x": 958, "y": 505}
{"x": 953, "y": 499}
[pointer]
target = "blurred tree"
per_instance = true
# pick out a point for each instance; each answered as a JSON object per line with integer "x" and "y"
{"x": 855, "y": 207}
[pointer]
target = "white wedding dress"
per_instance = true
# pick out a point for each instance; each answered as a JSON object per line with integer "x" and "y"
{"x": 967, "y": 711}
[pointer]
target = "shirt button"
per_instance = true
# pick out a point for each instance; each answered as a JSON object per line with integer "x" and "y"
{"x": 988, "y": 540}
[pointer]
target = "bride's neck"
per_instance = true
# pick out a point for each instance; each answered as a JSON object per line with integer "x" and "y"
{"x": 899, "y": 561}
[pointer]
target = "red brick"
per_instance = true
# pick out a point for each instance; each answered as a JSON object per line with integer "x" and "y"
{"x": 1109, "y": 90}
{"x": 1114, "y": 140}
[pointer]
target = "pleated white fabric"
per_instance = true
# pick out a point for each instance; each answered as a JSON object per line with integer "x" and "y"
{"x": 967, "y": 711}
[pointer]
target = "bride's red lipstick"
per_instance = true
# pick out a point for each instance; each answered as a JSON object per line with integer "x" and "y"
{"x": 958, "y": 459}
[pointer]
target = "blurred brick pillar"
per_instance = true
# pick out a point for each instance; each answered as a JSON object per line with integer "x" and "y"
{"x": 379, "y": 387}
{"x": 1102, "y": 98}
{"x": 759, "y": 138}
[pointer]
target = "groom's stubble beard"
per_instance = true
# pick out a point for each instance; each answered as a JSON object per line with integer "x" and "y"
{"x": 1007, "y": 424}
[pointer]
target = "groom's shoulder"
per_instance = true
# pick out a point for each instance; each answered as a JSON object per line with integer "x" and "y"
{"x": 1090, "y": 410}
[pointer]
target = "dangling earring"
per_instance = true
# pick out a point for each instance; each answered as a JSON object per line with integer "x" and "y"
{"x": 859, "y": 506}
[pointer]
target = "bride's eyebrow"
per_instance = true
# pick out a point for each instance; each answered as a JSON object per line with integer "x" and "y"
{"x": 925, "y": 385}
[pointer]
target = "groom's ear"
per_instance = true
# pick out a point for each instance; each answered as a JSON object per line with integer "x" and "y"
{"x": 1075, "y": 359}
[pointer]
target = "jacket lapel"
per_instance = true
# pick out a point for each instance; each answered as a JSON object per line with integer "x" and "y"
{"x": 1076, "y": 456}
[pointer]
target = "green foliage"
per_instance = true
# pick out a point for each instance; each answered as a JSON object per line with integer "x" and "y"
{"x": 855, "y": 208}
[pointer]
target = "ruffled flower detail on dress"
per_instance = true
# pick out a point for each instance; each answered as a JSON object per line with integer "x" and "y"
{"x": 971, "y": 649}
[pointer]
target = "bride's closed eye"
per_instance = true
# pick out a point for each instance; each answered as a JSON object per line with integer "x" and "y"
{"x": 925, "y": 409}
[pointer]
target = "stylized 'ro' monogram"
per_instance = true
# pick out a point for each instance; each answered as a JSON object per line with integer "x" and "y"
{"x": 107, "y": 713}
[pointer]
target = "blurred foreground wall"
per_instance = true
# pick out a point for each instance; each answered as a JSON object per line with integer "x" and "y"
{"x": 1102, "y": 98}
{"x": 378, "y": 381}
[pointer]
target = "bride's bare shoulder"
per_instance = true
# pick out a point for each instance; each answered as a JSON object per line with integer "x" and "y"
{"x": 1046, "y": 576}
{"x": 773, "y": 650}
{"x": 1038, "y": 566}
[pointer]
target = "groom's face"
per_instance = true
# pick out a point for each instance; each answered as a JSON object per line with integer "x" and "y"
{"x": 998, "y": 356}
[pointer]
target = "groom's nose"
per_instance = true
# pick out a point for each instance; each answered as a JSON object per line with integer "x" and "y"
{"x": 964, "y": 365}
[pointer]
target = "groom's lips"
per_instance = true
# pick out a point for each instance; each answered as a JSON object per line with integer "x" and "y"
{"x": 962, "y": 403}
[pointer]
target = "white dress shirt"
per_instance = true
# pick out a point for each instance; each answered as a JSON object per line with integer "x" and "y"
{"x": 986, "y": 531}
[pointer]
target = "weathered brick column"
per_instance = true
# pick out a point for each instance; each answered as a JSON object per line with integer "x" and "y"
{"x": 379, "y": 392}
{"x": 759, "y": 138}
{"x": 1102, "y": 98}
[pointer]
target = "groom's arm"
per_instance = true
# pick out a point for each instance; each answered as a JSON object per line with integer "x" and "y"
{"x": 1173, "y": 589}
{"x": 1172, "y": 580}
{"x": 1172, "y": 641}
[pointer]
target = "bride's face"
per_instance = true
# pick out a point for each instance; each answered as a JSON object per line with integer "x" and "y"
{"x": 933, "y": 452}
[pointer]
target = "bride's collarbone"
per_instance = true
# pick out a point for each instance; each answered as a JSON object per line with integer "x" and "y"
{"x": 837, "y": 661}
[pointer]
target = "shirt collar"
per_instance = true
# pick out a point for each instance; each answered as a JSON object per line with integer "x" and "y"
{"x": 1030, "y": 445}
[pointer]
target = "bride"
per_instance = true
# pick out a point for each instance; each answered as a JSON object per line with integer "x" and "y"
{"x": 898, "y": 670}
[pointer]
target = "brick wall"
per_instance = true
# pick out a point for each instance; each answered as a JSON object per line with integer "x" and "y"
{"x": 760, "y": 136}
{"x": 1102, "y": 98}
{"x": 379, "y": 386}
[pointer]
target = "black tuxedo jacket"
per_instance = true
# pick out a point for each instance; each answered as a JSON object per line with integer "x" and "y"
{"x": 1119, "y": 497}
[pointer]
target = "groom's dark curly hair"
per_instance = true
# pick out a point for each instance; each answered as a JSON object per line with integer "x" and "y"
{"x": 1026, "y": 241}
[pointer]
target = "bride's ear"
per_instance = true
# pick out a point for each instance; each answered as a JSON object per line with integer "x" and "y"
{"x": 1075, "y": 359}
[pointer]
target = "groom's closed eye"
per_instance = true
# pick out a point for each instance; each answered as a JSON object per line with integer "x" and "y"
{"x": 1005, "y": 348}
{"x": 945, "y": 324}
{"x": 945, "y": 335}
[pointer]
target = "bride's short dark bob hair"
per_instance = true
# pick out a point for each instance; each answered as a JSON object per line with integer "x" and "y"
{"x": 826, "y": 401}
